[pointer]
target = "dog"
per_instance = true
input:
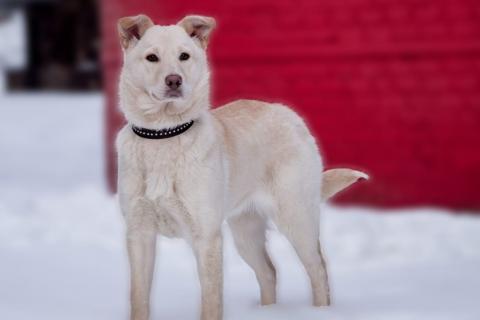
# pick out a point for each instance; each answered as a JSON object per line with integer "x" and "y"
{"x": 184, "y": 169}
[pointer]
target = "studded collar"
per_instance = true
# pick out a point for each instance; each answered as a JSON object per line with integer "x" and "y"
{"x": 163, "y": 133}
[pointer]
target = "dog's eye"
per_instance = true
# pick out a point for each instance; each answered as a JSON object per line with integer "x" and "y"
{"x": 152, "y": 58}
{"x": 184, "y": 56}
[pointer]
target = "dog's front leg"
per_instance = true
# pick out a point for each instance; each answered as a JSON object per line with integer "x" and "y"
{"x": 140, "y": 219}
{"x": 141, "y": 243}
{"x": 204, "y": 209}
{"x": 209, "y": 254}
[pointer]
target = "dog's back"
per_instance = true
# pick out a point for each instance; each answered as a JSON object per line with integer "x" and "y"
{"x": 262, "y": 141}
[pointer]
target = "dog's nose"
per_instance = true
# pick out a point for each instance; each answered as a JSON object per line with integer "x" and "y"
{"x": 173, "y": 81}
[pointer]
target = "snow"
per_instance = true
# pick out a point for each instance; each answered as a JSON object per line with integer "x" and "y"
{"x": 62, "y": 253}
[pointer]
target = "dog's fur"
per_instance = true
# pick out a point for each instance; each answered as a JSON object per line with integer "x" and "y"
{"x": 246, "y": 162}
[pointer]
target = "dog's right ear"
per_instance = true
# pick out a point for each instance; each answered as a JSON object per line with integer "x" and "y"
{"x": 131, "y": 29}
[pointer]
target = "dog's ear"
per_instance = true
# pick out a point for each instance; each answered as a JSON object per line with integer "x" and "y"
{"x": 199, "y": 28}
{"x": 132, "y": 28}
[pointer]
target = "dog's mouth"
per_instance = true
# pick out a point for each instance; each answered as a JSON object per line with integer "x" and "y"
{"x": 166, "y": 96}
{"x": 173, "y": 94}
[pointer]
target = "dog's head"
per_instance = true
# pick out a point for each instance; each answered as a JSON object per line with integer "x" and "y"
{"x": 165, "y": 75}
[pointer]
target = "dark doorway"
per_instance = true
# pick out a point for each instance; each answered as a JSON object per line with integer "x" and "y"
{"x": 63, "y": 43}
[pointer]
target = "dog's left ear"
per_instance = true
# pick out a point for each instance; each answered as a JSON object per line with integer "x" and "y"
{"x": 199, "y": 28}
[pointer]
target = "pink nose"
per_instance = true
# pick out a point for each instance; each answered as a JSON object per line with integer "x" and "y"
{"x": 173, "y": 81}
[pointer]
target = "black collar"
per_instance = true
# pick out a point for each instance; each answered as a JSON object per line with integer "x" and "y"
{"x": 163, "y": 133}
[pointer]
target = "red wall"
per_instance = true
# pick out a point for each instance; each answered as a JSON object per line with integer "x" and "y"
{"x": 391, "y": 87}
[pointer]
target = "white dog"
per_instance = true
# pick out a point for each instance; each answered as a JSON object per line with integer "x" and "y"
{"x": 184, "y": 169}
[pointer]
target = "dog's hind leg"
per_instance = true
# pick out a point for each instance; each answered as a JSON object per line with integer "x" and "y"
{"x": 248, "y": 232}
{"x": 302, "y": 230}
{"x": 296, "y": 191}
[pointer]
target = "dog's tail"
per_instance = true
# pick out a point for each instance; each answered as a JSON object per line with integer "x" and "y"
{"x": 335, "y": 180}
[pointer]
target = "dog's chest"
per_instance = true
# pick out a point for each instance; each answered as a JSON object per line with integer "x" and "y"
{"x": 162, "y": 167}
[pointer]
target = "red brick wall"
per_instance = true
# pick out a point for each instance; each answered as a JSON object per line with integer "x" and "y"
{"x": 391, "y": 87}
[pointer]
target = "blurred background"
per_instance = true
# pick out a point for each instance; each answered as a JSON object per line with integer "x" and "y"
{"x": 391, "y": 87}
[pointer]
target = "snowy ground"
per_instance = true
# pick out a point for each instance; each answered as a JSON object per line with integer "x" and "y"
{"x": 62, "y": 254}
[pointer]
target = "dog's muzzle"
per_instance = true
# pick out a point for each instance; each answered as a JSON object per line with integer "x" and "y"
{"x": 174, "y": 83}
